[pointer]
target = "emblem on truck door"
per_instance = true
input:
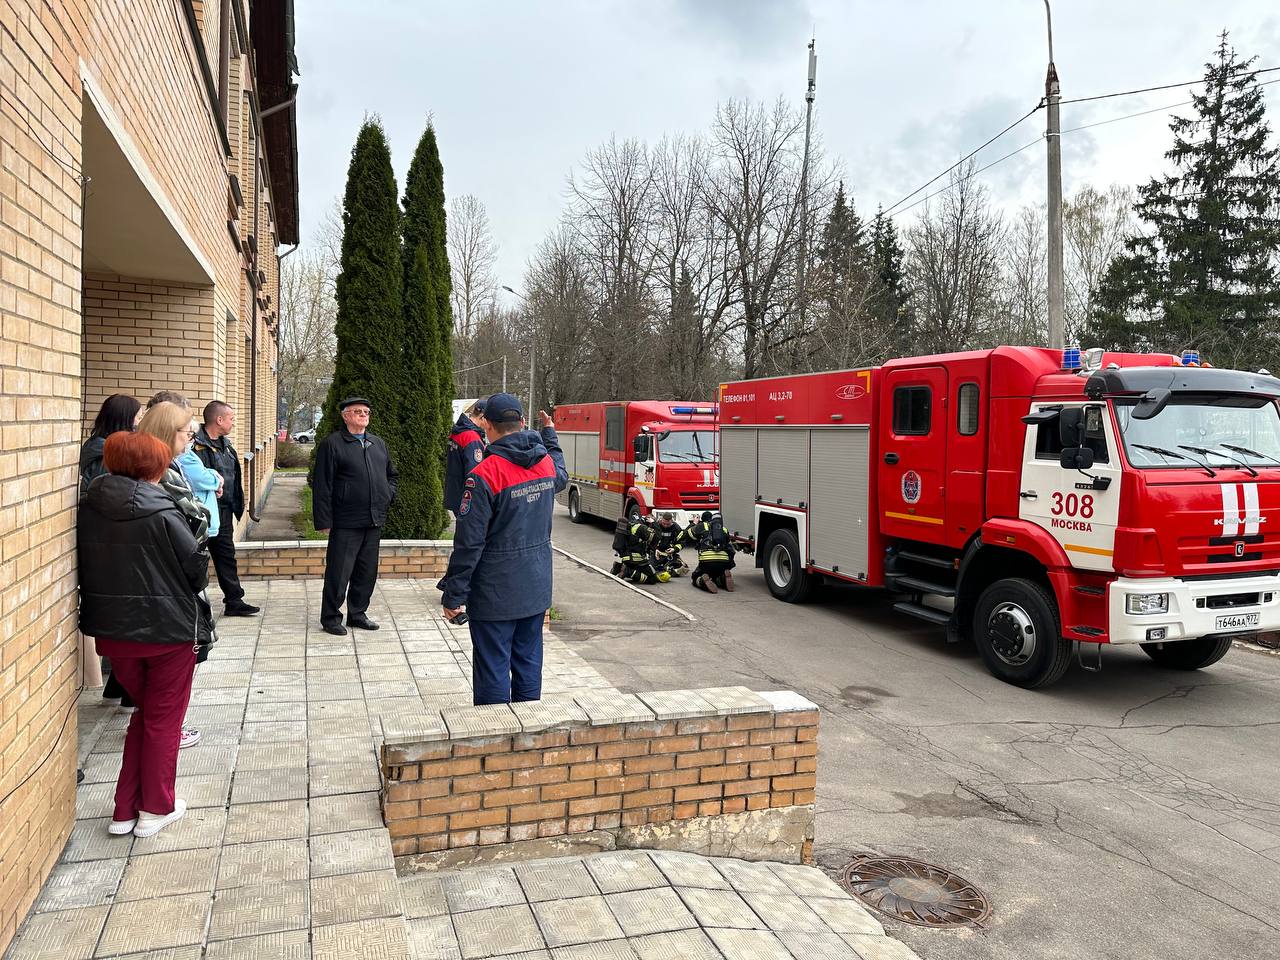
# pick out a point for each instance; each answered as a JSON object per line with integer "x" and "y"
{"x": 850, "y": 391}
{"x": 910, "y": 486}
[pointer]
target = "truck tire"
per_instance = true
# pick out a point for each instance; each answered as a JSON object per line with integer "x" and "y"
{"x": 784, "y": 570}
{"x": 575, "y": 507}
{"x": 633, "y": 511}
{"x": 1188, "y": 654}
{"x": 1017, "y": 632}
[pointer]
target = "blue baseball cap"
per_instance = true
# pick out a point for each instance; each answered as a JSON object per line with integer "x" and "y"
{"x": 503, "y": 408}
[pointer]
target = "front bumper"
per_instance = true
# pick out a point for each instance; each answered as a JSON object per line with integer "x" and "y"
{"x": 683, "y": 517}
{"x": 1194, "y": 607}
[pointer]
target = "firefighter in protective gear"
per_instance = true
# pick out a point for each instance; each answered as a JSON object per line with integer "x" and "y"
{"x": 668, "y": 538}
{"x": 632, "y": 542}
{"x": 715, "y": 554}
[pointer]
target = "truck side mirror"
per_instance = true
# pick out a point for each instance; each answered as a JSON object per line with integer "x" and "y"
{"x": 1076, "y": 458}
{"x": 640, "y": 444}
{"x": 1151, "y": 403}
{"x": 1071, "y": 427}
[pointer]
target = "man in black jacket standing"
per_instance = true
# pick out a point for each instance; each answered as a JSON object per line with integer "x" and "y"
{"x": 213, "y": 447}
{"x": 354, "y": 484}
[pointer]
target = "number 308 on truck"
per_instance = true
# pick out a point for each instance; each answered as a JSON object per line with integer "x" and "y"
{"x": 1038, "y": 502}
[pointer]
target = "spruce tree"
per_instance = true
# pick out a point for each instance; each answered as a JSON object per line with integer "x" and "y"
{"x": 1202, "y": 272}
{"x": 369, "y": 325}
{"x": 427, "y": 343}
{"x": 888, "y": 256}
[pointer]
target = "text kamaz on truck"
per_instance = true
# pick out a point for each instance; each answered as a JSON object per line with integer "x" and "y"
{"x": 1022, "y": 498}
{"x": 636, "y": 457}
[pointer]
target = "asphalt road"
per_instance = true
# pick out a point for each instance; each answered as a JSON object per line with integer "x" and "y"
{"x": 1129, "y": 814}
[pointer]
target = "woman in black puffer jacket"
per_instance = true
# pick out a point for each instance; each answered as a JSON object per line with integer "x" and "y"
{"x": 140, "y": 571}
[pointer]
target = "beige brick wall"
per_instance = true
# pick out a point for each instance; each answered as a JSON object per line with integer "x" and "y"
{"x": 482, "y": 791}
{"x": 56, "y": 365}
{"x": 304, "y": 560}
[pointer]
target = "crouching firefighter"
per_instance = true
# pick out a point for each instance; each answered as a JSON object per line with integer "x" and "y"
{"x": 715, "y": 554}
{"x": 632, "y": 542}
{"x": 668, "y": 538}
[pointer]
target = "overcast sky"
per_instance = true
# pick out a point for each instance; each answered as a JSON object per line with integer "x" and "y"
{"x": 521, "y": 90}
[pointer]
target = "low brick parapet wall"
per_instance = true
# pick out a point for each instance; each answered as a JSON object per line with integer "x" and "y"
{"x": 304, "y": 559}
{"x": 722, "y": 771}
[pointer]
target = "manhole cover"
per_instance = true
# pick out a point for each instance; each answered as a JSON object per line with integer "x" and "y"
{"x": 915, "y": 892}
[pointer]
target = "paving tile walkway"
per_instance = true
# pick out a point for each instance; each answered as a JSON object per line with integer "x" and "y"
{"x": 639, "y": 905}
{"x": 284, "y": 501}
{"x": 283, "y": 855}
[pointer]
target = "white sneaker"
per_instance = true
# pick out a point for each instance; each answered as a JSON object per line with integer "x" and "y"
{"x": 118, "y": 828}
{"x": 152, "y": 823}
{"x": 190, "y": 738}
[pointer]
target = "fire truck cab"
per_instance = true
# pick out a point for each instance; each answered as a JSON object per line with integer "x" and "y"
{"x": 1032, "y": 500}
{"x": 637, "y": 457}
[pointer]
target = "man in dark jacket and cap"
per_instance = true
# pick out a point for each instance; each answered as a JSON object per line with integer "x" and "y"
{"x": 466, "y": 449}
{"x": 500, "y": 569}
{"x": 354, "y": 484}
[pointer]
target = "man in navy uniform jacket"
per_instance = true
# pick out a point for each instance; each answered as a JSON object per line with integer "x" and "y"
{"x": 500, "y": 570}
{"x": 466, "y": 450}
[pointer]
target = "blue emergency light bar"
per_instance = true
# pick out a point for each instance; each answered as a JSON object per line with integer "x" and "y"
{"x": 691, "y": 410}
{"x": 1071, "y": 358}
{"x": 1190, "y": 357}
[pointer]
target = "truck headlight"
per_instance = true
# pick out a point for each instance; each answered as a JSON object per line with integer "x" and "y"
{"x": 1140, "y": 603}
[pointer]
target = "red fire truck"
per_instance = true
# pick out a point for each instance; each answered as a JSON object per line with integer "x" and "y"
{"x": 637, "y": 457}
{"x": 1028, "y": 499}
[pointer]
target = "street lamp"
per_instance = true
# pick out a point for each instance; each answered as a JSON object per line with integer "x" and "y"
{"x": 533, "y": 349}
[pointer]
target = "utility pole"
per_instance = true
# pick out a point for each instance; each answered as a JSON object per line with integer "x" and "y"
{"x": 504, "y": 373}
{"x": 809, "y": 93}
{"x": 1053, "y": 136}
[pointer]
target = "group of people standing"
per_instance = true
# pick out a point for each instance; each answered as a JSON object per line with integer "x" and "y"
{"x": 160, "y": 492}
{"x": 648, "y": 550}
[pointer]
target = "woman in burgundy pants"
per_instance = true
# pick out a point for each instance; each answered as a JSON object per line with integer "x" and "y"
{"x": 140, "y": 570}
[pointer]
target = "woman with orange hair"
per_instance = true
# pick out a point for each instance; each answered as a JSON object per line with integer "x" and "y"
{"x": 140, "y": 570}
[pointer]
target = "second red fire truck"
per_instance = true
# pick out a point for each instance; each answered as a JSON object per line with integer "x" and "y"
{"x": 637, "y": 457}
{"x": 1032, "y": 500}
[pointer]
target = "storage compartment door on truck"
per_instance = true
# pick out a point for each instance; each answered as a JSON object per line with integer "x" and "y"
{"x": 913, "y": 454}
{"x": 615, "y": 458}
{"x": 1062, "y": 500}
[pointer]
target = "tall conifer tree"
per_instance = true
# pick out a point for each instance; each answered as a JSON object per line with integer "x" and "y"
{"x": 370, "y": 323}
{"x": 1203, "y": 271}
{"x": 427, "y": 342}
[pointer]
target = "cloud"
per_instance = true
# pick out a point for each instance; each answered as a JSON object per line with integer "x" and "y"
{"x": 753, "y": 27}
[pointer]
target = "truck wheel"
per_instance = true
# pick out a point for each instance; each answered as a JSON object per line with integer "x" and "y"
{"x": 1188, "y": 654}
{"x": 633, "y": 511}
{"x": 575, "y": 507}
{"x": 1016, "y": 629}
{"x": 784, "y": 568}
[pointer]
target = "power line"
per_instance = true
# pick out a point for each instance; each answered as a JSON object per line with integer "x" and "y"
{"x": 966, "y": 157}
{"x": 1167, "y": 86}
{"x": 970, "y": 176}
{"x": 1143, "y": 113}
{"x": 1027, "y": 146}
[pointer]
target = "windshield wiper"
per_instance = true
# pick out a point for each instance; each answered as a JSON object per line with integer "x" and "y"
{"x": 1174, "y": 453}
{"x": 1247, "y": 452}
{"x": 1205, "y": 451}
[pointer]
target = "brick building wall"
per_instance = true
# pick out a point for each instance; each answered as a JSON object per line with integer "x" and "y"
{"x": 75, "y": 75}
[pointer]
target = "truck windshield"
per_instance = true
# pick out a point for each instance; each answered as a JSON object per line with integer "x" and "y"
{"x": 688, "y": 446}
{"x": 1240, "y": 428}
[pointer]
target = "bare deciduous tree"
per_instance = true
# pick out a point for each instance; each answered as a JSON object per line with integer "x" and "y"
{"x": 1095, "y": 226}
{"x": 1023, "y": 314}
{"x": 308, "y": 311}
{"x": 472, "y": 255}
{"x": 953, "y": 265}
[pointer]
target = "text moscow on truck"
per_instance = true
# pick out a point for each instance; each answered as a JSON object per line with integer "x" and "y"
{"x": 1030, "y": 499}
{"x": 639, "y": 457}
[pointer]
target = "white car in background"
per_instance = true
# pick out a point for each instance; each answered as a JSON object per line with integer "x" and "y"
{"x": 304, "y": 436}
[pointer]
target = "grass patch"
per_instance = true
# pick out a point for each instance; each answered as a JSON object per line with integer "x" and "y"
{"x": 292, "y": 470}
{"x": 302, "y": 519}
{"x": 555, "y": 614}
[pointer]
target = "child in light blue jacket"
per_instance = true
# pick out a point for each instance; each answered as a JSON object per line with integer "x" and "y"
{"x": 205, "y": 483}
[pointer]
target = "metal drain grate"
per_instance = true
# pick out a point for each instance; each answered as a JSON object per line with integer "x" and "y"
{"x": 915, "y": 892}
